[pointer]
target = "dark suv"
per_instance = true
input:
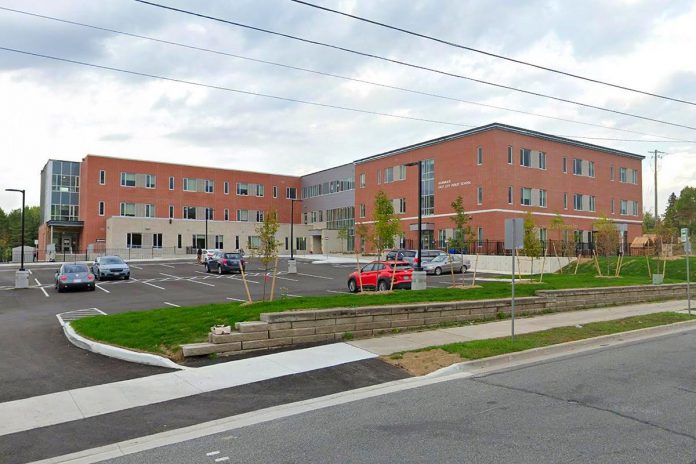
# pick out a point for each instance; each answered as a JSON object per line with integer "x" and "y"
{"x": 225, "y": 261}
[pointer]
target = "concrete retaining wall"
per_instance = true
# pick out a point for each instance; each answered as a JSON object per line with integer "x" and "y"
{"x": 523, "y": 265}
{"x": 290, "y": 328}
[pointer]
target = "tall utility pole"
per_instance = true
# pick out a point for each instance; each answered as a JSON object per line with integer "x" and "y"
{"x": 656, "y": 154}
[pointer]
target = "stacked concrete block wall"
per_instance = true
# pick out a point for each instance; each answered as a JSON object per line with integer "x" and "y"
{"x": 297, "y": 328}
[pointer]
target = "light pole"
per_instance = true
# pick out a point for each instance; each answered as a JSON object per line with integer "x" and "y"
{"x": 418, "y": 274}
{"x": 22, "y": 276}
{"x": 207, "y": 213}
{"x": 292, "y": 266}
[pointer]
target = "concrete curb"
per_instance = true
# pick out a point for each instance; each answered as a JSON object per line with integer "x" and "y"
{"x": 118, "y": 353}
{"x": 502, "y": 361}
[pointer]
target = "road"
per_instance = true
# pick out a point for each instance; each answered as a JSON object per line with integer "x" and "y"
{"x": 38, "y": 359}
{"x": 632, "y": 404}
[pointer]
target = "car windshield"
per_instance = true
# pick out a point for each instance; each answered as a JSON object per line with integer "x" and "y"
{"x": 112, "y": 260}
{"x": 440, "y": 259}
{"x": 232, "y": 256}
{"x": 75, "y": 268}
{"x": 410, "y": 254}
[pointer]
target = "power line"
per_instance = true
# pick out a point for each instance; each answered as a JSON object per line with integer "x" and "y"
{"x": 275, "y": 97}
{"x": 494, "y": 55}
{"x": 415, "y": 66}
{"x": 337, "y": 76}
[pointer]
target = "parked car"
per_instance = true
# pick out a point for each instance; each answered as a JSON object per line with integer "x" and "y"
{"x": 105, "y": 267}
{"x": 447, "y": 263}
{"x": 225, "y": 261}
{"x": 378, "y": 275}
{"x": 74, "y": 276}
{"x": 207, "y": 254}
{"x": 410, "y": 255}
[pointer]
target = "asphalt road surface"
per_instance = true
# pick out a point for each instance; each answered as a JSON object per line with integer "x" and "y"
{"x": 629, "y": 404}
{"x": 37, "y": 359}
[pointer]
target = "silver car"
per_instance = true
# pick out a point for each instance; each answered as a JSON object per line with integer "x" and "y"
{"x": 447, "y": 263}
{"x": 113, "y": 267}
{"x": 74, "y": 276}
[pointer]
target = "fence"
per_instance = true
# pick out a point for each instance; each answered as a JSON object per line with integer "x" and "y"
{"x": 125, "y": 253}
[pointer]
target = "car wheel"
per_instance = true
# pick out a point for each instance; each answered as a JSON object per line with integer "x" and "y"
{"x": 207, "y": 267}
{"x": 463, "y": 269}
{"x": 438, "y": 271}
{"x": 352, "y": 286}
{"x": 127, "y": 277}
{"x": 92, "y": 288}
{"x": 219, "y": 270}
{"x": 382, "y": 285}
{"x": 59, "y": 288}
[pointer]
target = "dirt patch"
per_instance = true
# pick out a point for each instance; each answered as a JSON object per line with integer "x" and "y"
{"x": 424, "y": 362}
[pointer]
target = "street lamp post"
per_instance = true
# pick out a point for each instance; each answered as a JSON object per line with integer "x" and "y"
{"x": 292, "y": 265}
{"x": 418, "y": 282}
{"x": 22, "y": 275}
{"x": 206, "y": 228}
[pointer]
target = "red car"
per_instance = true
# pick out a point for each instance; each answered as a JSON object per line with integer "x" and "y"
{"x": 378, "y": 275}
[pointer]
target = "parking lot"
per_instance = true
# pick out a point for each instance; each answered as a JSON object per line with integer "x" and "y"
{"x": 38, "y": 359}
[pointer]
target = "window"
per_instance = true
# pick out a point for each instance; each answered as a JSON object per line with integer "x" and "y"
{"x": 565, "y": 200}
{"x": 300, "y": 243}
{"x": 242, "y": 189}
{"x": 178, "y": 241}
{"x": 219, "y": 242}
{"x": 525, "y": 196}
{"x": 275, "y": 191}
{"x": 190, "y": 185}
{"x": 127, "y": 179}
{"x": 260, "y": 191}
{"x": 243, "y": 215}
{"x": 480, "y": 234}
{"x": 102, "y": 177}
{"x": 149, "y": 210}
{"x": 254, "y": 242}
{"x": 290, "y": 192}
{"x": 479, "y": 195}
{"x": 590, "y": 168}
{"x": 543, "y": 235}
{"x": 611, "y": 172}
{"x": 156, "y": 240}
{"x": 189, "y": 212}
{"x": 542, "y": 198}
{"x": 612, "y": 206}
{"x": 565, "y": 165}
{"x": 509, "y": 154}
{"x": 134, "y": 240}
{"x": 210, "y": 214}
{"x": 525, "y": 157}
{"x": 171, "y": 183}
{"x": 623, "y": 176}
{"x": 128, "y": 209}
{"x": 362, "y": 180}
{"x": 401, "y": 173}
{"x": 624, "y": 207}
{"x": 634, "y": 176}
{"x": 577, "y": 167}
{"x": 101, "y": 208}
{"x": 428, "y": 187}
{"x": 226, "y": 188}
{"x": 227, "y": 214}
{"x": 388, "y": 175}
{"x": 400, "y": 205}
{"x": 209, "y": 186}
{"x": 592, "y": 203}
{"x": 577, "y": 202}
{"x": 362, "y": 210}
{"x": 259, "y": 216}
{"x": 149, "y": 181}
{"x": 171, "y": 211}
{"x": 442, "y": 238}
{"x": 379, "y": 176}
{"x": 542, "y": 160}
{"x": 479, "y": 155}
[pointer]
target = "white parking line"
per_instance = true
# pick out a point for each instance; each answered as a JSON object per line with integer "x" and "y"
{"x": 37, "y": 281}
{"x": 282, "y": 278}
{"x": 197, "y": 282}
{"x": 152, "y": 285}
{"x": 335, "y": 291}
{"x": 293, "y": 296}
{"x": 169, "y": 275}
{"x": 318, "y": 277}
{"x": 212, "y": 453}
{"x": 136, "y": 267}
{"x": 172, "y": 304}
{"x": 201, "y": 272}
{"x": 233, "y": 299}
{"x": 167, "y": 265}
{"x": 44, "y": 291}
{"x": 102, "y": 289}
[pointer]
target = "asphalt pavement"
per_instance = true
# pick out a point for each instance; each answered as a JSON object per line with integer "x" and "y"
{"x": 626, "y": 404}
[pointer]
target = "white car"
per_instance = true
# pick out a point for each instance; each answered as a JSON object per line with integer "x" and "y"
{"x": 447, "y": 263}
{"x": 208, "y": 254}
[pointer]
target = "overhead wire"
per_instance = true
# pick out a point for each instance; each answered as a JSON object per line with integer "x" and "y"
{"x": 414, "y": 66}
{"x": 494, "y": 55}
{"x": 337, "y": 76}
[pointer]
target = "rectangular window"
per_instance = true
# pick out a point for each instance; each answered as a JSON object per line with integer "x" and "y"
{"x": 275, "y": 191}
{"x": 577, "y": 202}
{"x": 388, "y": 175}
{"x": 542, "y": 198}
{"x": 590, "y": 168}
{"x": 509, "y": 154}
{"x": 479, "y": 195}
{"x": 254, "y": 242}
{"x": 634, "y": 176}
{"x": 542, "y": 160}
{"x": 210, "y": 214}
{"x": 624, "y": 207}
{"x": 259, "y": 216}
{"x": 260, "y": 190}
{"x": 401, "y": 173}
{"x": 149, "y": 181}
{"x": 134, "y": 240}
{"x": 525, "y": 196}
{"x": 243, "y": 215}
{"x": 362, "y": 210}
{"x": 565, "y": 165}
{"x": 127, "y": 179}
{"x": 128, "y": 209}
{"x": 611, "y": 172}
{"x": 300, "y": 243}
{"x": 189, "y": 212}
{"x": 510, "y": 195}
{"x": 149, "y": 210}
{"x": 101, "y": 208}
{"x": 634, "y": 208}
{"x": 156, "y": 240}
{"x": 543, "y": 235}
{"x": 479, "y": 155}
{"x": 400, "y": 206}
{"x": 102, "y": 177}
{"x": 577, "y": 167}
{"x": 592, "y": 203}
{"x": 178, "y": 241}
{"x": 612, "y": 206}
{"x": 209, "y": 186}
{"x": 190, "y": 185}
{"x": 428, "y": 187}
{"x": 291, "y": 193}
{"x": 623, "y": 175}
{"x": 219, "y": 242}
{"x": 362, "y": 180}
{"x": 480, "y": 234}
{"x": 227, "y": 214}
{"x": 226, "y": 188}
{"x": 171, "y": 211}
{"x": 379, "y": 177}
{"x": 242, "y": 189}
{"x": 565, "y": 200}
{"x": 171, "y": 183}
{"x": 525, "y": 157}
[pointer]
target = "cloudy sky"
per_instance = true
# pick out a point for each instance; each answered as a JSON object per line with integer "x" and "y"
{"x": 52, "y": 109}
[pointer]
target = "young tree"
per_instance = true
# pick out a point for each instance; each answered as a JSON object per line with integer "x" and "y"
{"x": 386, "y": 224}
{"x": 532, "y": 244}
{"x": 462, "y": 229}
{"x": 343, "y": 234}
{"x": 648, "y": 223}
{"x": 607, "y": 238}
{"x": 268, "y": 248}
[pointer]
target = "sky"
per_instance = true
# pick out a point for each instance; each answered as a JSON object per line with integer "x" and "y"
{"x": 59, "y": 110}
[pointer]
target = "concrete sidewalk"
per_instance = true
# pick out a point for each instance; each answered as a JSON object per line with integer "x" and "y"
{"x": 416, "y": 340}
